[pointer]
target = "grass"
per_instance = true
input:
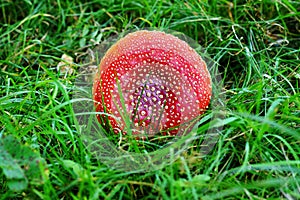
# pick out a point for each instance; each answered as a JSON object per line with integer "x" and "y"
{"x": 256, "y": 45}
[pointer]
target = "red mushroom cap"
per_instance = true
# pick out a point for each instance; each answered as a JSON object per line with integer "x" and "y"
{"x": 163, "y": 81}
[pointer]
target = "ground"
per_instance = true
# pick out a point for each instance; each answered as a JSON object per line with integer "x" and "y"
{"x": 255, "y": 45}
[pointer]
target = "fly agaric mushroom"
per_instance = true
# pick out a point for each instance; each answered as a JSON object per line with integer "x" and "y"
{"x": 155, "y": 78}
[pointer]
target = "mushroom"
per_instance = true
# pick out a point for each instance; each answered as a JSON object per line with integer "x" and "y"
{"x": 157, "y": 79}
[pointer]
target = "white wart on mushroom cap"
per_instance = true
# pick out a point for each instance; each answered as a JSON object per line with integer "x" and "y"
{"x": 163, "y": 81}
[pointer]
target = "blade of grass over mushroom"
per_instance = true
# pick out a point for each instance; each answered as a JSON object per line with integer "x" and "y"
{"x": 126, "y": 117}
